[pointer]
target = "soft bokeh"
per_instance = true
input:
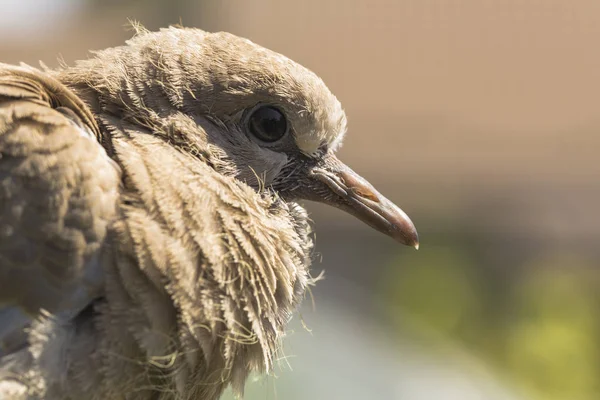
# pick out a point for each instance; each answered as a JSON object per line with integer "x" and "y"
{"x": 480, "y": 119}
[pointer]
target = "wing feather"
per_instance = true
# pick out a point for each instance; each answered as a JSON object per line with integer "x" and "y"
{"x": 58, "y": 193}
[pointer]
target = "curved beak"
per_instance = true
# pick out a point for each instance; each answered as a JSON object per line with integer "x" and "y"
{"x": 341, "y": 187}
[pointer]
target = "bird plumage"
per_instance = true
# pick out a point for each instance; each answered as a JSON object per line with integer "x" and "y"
{"x": 151, "y": 247}
{"x": 54, "y": 216}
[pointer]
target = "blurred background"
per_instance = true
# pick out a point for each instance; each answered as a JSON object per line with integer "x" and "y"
{"x": 480, "y": 119}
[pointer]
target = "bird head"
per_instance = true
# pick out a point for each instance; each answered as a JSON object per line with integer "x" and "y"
{"x": 246, "y": 111}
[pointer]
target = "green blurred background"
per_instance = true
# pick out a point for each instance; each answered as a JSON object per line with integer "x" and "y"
{"x": 480, "y": 119}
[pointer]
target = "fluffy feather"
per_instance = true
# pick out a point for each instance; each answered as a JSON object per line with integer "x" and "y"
{"x": 200, "y": 264}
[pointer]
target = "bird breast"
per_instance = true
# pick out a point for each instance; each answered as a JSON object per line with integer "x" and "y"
{"x": 201, "y": 262}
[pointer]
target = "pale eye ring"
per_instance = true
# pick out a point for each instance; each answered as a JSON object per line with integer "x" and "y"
{"x": 267, "y": 123}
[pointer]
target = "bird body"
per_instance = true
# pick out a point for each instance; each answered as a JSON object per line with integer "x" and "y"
{"x": 151, "y": 243}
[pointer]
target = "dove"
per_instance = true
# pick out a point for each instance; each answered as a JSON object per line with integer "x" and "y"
{"x": 152, "y": 240}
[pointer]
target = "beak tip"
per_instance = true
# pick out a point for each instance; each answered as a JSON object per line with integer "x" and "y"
{"x": 408, "y": 239}
{"x": 406, "y": 233}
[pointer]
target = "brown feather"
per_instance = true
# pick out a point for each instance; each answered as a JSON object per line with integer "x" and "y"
{"x": 203, "y": 266}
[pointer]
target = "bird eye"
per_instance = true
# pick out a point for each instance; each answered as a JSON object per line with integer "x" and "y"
{"x": 267, "y": 123}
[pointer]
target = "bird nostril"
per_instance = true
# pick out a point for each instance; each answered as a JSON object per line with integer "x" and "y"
{"x": 358, "y": 186}
{"x": 365, "y": 193}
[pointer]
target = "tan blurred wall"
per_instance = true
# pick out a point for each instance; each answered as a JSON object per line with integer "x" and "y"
{"x": 450, "y": 102}
{"x": 514, "y": 83}
{"x": 459, "y": 100}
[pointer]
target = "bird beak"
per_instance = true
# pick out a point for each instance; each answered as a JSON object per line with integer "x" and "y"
{"x": 341, "y": 187}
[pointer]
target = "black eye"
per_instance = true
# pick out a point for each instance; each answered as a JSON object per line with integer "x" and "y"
{"x": 267, "y": 123}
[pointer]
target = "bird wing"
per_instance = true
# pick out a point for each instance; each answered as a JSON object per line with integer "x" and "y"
{"x": 58, "y": 192}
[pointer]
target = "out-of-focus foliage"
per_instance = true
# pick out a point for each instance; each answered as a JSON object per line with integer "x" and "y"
{"x": 437, "y": 286}
{"x": 545, "y": 338}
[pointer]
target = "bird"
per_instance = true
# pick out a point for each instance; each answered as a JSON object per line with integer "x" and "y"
{"x": 153, "y": 244}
